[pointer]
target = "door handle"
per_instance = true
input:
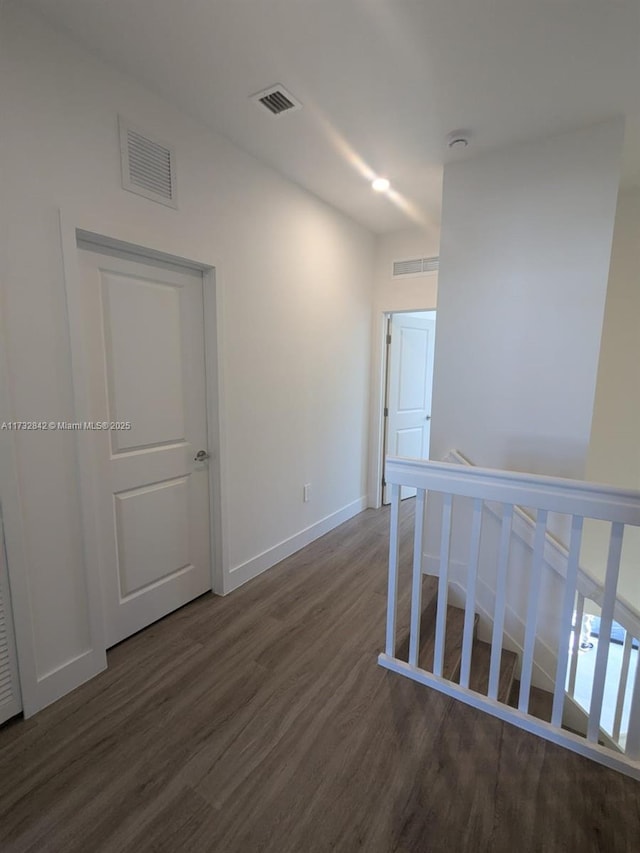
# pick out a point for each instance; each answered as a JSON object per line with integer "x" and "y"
{"x": 201, "y": 456}
{"x": 428, "y": 418}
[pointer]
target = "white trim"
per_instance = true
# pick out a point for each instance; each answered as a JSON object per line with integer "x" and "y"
{"x": 69, "y": 675}
{"x": 213, "y": 331}
{"x": 378, "y": 377}
{"x": 85, "y": 464}
{"x": 376, "y": 436}
{"x": 256, "y": 565}
{"x": 575, "y": 743}
{"x": 74, "y": 227}
{"x": 40, "y": 690}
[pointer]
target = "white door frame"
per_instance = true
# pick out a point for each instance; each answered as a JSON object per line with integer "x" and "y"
{"x": 376, "y": 443}
{"x": 71, "y": 233}
{"x": 40, "y": 689}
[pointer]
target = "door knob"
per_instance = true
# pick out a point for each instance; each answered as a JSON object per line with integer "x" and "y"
{"x": 428, "y": 418}
{"x": 201, "y": 456}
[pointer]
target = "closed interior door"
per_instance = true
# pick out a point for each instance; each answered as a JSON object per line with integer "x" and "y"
{"x": 410, "y": 381}
{"x": 144, "y": 337}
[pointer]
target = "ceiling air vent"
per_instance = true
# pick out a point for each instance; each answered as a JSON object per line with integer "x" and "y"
{"x": 415, "y": 266}
{"x": 277, "y": 100}
{"x": 148, "y": 166}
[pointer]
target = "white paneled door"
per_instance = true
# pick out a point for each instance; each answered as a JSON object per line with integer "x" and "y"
{"x": 144, "y": 336}
{"x": 410, "y": 380}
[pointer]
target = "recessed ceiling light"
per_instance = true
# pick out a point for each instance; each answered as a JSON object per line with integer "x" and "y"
{"x": 380, "y": 185}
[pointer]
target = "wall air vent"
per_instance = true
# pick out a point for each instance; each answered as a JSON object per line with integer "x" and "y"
{"x": 148, "y": 166}
{"x": 277, "y": 100}
{"x": 415, "y": 266}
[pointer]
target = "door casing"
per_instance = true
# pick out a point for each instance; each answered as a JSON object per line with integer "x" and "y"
{"x": 39, "y": 688}
{"x": 377, "y": 441}
{"x": 73, "y": 238}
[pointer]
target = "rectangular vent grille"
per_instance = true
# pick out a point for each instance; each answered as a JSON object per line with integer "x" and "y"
{"x": 148, "y": 166}
{"x": 415, "y": 266}
{"x": 277, "y": 100}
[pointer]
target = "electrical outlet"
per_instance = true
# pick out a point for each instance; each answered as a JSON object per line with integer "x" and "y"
{"x": 306, "y": 492}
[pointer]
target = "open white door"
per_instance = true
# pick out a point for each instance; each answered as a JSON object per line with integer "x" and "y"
{"x": 144, "y": 341}
{"x": 410, "y": 380}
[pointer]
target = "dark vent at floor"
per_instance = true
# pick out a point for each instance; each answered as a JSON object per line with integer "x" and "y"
{"x": 148, "y": 166}
{"x": 415, "y": 266}
{"x": 277, "y": 100}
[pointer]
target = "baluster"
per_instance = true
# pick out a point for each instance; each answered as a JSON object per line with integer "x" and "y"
{"x": 565, "y": 621}
{"x": 501, "y": 594}
{"x": 416, "y": 590}
{"x": 573, "y": 669}
{"x": 632, "y": 748}
{"x": 472, "y": 574}
{"x": 604, "y": 640}
{"x": 532, "y": 610}
{"x": 394, "y": 549}
{"x": 622, "y": 685}
{"x": 443, "y": 585}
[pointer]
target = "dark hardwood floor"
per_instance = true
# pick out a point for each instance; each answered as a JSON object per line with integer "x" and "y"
{"x": 261, "y": 722}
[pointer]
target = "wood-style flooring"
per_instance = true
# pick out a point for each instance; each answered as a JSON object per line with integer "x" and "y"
{"x": 261, "y": 722}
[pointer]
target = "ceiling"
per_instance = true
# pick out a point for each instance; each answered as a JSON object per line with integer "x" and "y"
{"x": 382, "y": 82}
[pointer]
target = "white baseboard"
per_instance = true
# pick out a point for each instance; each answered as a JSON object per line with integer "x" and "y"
{"x": 63, "y": 679}
{"x": 256, "y": 565}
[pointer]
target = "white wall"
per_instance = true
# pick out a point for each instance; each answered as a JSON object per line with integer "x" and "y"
{"x": 524, "y": 258}
{"x": 399, "y": 294}
{"x": 614, "y": 449}
{"x": 296, "y": 279}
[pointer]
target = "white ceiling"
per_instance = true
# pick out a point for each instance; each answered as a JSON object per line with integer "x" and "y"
{"x": 382, "y": 81}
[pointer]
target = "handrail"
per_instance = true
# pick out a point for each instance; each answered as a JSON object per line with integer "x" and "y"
{"x": 555, "y": 494}
{"x": 577, "y": 500}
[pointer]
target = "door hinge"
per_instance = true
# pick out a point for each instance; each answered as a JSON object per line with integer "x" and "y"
{"x": 386, "y": 412}
{"x": 384, "y": 482}
{"x": 388, "y": 340}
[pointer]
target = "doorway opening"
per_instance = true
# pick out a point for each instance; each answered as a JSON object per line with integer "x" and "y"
{"x": 408, "y": 384}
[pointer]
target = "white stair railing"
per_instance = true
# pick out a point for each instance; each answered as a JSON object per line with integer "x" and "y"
{"x": 589, "y": 597}
{"x": 541, "y": 496}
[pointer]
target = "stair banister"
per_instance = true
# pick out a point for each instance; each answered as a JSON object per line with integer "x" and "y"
{"x": 558, "y": 557}
{"x": 416, "y": 589}
{"x": 472, "y": 575}
{"x": 392, "y": 593}
{"x": 575, "y": 499}
{"x": 566, "y": 619}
